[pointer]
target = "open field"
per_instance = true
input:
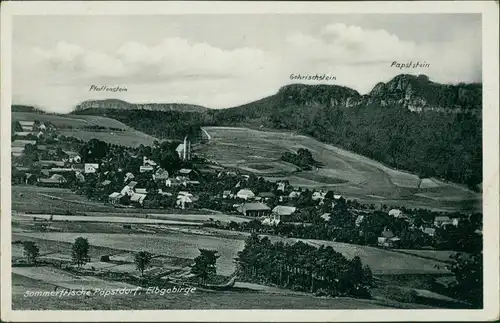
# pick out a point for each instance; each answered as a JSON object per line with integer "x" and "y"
{"x": 38, "y": 200}
{"x": 175, "y": 250}
{"x": 106, "y": 219}
{"x": 177, "y": 245}
{"x": 185, "y": 245}
{"x": 73, "y": 126}
{"x": 345, "y": 172}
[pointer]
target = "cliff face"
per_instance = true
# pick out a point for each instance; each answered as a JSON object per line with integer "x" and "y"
{"x": 123, "y": 105}
{"x": 416, "y": 93}
{"x": 315, "y": 95}
{"x": 419, "y": 94}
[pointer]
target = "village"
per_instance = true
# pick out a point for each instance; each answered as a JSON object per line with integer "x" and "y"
{"x": 170, "y": 176}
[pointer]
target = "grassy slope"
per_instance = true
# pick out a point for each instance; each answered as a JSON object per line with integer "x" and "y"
{"x": 127, "y": 137}
{"x": 196, "y": 300}
{"x": 345, "y": 172}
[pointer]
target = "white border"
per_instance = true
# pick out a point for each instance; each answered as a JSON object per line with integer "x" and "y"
{"x": 489, "y": 10}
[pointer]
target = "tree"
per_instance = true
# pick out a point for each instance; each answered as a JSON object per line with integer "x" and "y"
{"x": 142, "y": 260}
{"x": 205, "y": 265}
{"x": 31, "y": 251}
{"x": 468, "y": 270}
{"x": 80, "y": 251}
{"x": 93, "y": 151}
{"x": 30, "y": 154}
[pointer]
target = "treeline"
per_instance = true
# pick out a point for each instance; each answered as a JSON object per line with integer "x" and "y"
{"x": 160, "y": 124}
{"x": 302, "y": 267}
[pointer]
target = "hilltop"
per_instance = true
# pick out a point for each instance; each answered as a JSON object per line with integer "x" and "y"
{"x": 415, "y": 93}
{"x": 124, "y": 105}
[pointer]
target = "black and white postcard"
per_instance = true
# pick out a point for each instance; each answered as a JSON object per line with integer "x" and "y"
{"x": 258, "y": 161}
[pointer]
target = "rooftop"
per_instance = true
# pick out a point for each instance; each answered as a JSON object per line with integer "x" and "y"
{"x": 116, "y": 195}
{"x": 284, "y": 210}
{"x": 132, "y": 184}
{"x": 256, "y": 206}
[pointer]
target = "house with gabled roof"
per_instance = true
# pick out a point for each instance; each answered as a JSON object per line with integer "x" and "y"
{"x": 138, "y": 199}
{"x": 129, "y": 189}
{"x": 255, "y": 209}
{"x": 326, "y": 216}
{"x": 91, "y": 168}
{"x": 388, "y": 239}
{"x": 160, "y": 175}
{"x": 56, "y": 180}
{"x": 115, "y": 198}
{"x": 245, "y": 194}
{"x": 440, "y": 221}
{"x": 144, "y": 169}
{"x": 128, "y": 176}
{"x": 283, "y": 210}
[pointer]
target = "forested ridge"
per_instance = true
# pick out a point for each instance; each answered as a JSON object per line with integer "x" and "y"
{"x": 409, "y": 123}
{"x": 160, "y": 124}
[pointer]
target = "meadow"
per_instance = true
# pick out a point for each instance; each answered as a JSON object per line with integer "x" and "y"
{"x": 177, "y": 245}
{"x": 184, "y": 245}
{"x": 74, "y": 126}
{"x": 344, "y": 172}
{"x": 60, "y": 201}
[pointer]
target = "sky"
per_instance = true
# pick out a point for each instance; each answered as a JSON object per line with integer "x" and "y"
{"x": 221, "y": 61}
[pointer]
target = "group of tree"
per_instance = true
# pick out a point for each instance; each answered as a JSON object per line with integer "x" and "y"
{"x": 469, "y": 276}
{"x": 303, "y": 158}
{"x": 79, "y": 251}
{"x": 204, "y": 267}
{"x": 430, "y": 144}
{"x": 303, "y": 267}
